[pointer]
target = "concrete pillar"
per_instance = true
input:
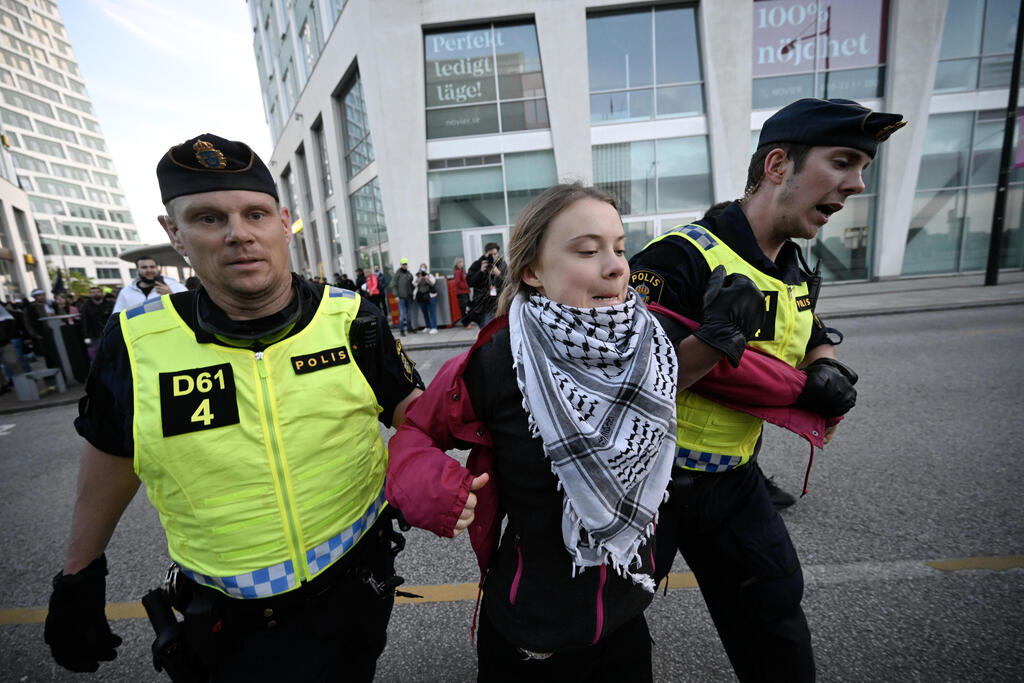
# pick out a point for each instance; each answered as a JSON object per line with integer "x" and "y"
{"x": 915, "y": 30}
{"x": 391, "y": 61}
{"x": 562, "y": 36}
{"x": 726, "y": 34}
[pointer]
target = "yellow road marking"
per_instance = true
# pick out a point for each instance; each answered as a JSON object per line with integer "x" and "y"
{"x": 994, "y": 563}
{"x": 458, "y": 592}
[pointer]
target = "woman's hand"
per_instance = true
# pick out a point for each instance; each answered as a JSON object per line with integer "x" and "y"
{"x": 468, "y": 513}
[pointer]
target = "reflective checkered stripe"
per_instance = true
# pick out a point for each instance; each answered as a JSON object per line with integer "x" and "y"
{"x": 706, "y": 462}
{"x": 280, "y": 578}
{"x": 154, "y": 305}
{"x": 335, "y": 292}
{"x": 699, "y": 235}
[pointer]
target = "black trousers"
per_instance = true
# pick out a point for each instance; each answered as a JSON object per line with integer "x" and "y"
{"x": 332, "y": 629}
{"x": 624, "y": 655}
{"x": 746, "y": 566}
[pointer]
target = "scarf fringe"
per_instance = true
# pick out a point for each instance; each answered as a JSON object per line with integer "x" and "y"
{"x": 605, "y": 555}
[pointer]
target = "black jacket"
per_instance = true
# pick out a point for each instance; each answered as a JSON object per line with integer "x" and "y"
{"x": 530, "y": 594}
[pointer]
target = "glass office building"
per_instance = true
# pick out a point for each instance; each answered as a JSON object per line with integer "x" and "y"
{"x": 420, "y": 129}
{"x": 79, "y": 211}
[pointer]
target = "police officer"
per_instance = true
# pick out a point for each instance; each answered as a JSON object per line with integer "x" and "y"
{"x": 250, "y": 410}
{"x": 809, "y": 161}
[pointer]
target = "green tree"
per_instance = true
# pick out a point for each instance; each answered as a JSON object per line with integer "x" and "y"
{"x": 74, "y": 281}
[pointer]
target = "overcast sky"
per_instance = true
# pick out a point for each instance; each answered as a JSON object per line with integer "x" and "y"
{"x": 161, "y": 72}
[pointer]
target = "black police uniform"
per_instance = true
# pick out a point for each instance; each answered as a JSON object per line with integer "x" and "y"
{"x": 723, "y": 522}
{"x": 337, "y": 622}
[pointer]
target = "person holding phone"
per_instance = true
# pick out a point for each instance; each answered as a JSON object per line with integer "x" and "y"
{"x": 149, "y": 285}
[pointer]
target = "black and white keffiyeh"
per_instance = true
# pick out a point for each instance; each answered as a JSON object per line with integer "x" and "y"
{"x": 599, "y": 387}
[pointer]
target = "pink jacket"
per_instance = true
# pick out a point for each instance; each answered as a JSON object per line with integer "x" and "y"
{"x": 430, "y": 487}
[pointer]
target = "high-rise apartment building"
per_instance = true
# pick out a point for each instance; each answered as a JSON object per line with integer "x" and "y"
{"x": 80, "y": 212}
{"x": 420, "y": 128}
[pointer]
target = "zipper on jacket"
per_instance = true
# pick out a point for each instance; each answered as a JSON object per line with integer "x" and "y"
{"x": 790, "y": 322}
{"x": 513, "y": 591}
{"x": 298, "y": 557}
{"x": 599, "y": 604}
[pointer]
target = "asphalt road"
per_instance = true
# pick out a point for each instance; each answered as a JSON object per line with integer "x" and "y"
{"x": 911, "y": 536}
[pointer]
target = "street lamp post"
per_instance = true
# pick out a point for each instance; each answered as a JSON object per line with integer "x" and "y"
{"x": 1002, "y": 185}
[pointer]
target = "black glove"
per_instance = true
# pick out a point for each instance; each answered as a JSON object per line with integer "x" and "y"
{"x": 76, "y": 625}
{"x": 733, "y": 313}
{"x": 829, "y": 388}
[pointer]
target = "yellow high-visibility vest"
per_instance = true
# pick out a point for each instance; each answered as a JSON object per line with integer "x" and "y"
{"x": 266, "y": 464}
{"x": 703, "y": 426}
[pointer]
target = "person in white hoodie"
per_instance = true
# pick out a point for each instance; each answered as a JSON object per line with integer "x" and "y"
{"x": 149, "y": 285}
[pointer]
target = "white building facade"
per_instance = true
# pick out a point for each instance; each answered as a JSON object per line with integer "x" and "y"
{"x": 81, "y": 217}
{"x": 20, "y": 272}
{"x": 420, "y": 128}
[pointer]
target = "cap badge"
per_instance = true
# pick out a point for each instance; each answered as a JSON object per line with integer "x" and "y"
{"x": 883, "y": 135}
{"x": 208, "y": 155}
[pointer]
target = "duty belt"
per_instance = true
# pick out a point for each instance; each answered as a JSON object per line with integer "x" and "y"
{"x": 281, "y": 577}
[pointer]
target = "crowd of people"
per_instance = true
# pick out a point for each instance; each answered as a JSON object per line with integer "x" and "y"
{"x": 25, "y": 336}
{"x": 613, "y": 412}
{"x": 476, "y": 290}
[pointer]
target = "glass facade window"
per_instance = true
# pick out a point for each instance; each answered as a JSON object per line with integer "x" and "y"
{"x": 358, "y": 143}
{"x": 27, "y": 103}
{"x": 818, "y": 48}
{"x": 336, "y": 6}
{"x": 977, "y": 45}
{"x": 484, "y": 80}
{"x": 368, "y": 227}
{"x": 336, "y": 242}
{"x": 655, "y": 176}
{"x": 109, "y": 232}
{"x": 644, "y": 64}
{"x": 326, "y": 183}
{"x": 953, "y": 207}
{"x": 60, "y": 188}
{"x": 291, "y": 197}
{"x": 480, "y": 192}
{"x": 108, "y": 274}
{"x": 27, "y": 163}
{"x": 13, "y": 118}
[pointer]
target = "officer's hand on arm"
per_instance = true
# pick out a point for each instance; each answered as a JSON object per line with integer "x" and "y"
{"x": 469, "y": 511}
{"x": 829, "y": 388}
{"x": 76, "y": 626}
{"x": 733, "y": 313}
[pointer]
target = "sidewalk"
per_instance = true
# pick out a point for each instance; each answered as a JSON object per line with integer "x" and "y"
{"x": 838, "y": 300}
{"x": 841, "y": 300}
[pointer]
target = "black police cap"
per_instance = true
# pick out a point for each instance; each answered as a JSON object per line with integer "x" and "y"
{"x": 830, "y": 123}
{"x": 208, "y": 163}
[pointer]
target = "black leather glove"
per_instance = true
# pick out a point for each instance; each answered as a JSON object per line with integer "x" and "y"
{"x": 829, "y": 389}
{"x": 76, "y": 625}
{"x": 733, "y": 313}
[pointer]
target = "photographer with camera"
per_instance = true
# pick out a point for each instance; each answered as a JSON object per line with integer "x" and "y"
{"x": 150, "y": 285}
{"x": 426, "y": 297}
{"x": 486, "y": 276}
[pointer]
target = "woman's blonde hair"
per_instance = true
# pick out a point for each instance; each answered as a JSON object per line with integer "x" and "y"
{"x": 529, "y": 231}
{"x": 456, "y": 263}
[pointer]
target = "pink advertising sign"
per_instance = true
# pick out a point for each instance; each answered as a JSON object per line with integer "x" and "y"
{"x": 794, "y": 36}
{"x": 1018, "y": 159}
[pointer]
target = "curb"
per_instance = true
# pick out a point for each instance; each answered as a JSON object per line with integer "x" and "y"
{"x": 39, "y": 406}
{"x": 460, "y": 344}
{"x": 920, "y": 308}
